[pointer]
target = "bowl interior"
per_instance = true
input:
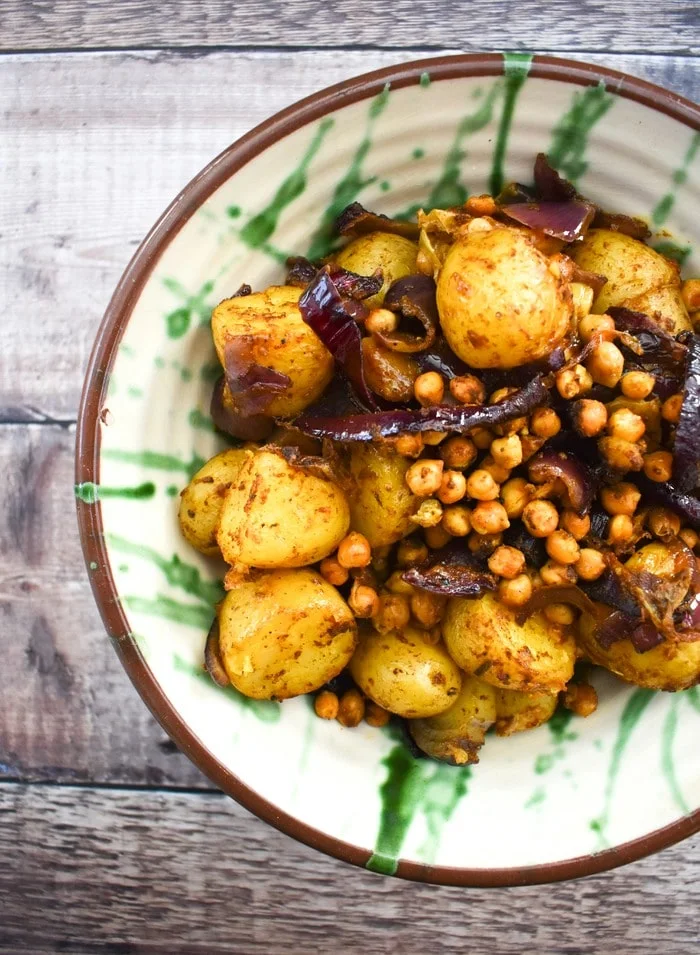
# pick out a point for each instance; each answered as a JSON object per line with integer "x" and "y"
{"x": 571, "y": 789}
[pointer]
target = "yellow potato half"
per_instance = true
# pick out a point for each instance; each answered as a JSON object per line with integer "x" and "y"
{"x": 393, "y": 254}
{"x": 202, "y": 500}
{"x": 456, "y": 735}
{"x": 381, "y": 504}
{"x": 517, "y": 711}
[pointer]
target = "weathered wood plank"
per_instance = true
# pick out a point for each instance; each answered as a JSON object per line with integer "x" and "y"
{"x": 603, "y": 25}
{"x": 92, "y": 871}
{"x": 67, "y": 709}
{"x": 94, "y": 146}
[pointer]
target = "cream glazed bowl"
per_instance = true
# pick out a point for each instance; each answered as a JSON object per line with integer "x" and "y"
{"x": 567, "y": 799}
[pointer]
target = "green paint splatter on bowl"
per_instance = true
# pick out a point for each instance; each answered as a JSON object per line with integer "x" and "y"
{"x": 265, "y": 710}
{"x": 90, "y": 493}
{"x": 570, "y": 135}
{"x": 663, "y": 208}
{"x": 155, "y": 460}
{"x": 199, "y": 420}
{"x": 233, "y": 212}
{"x": 516, "y": 67}
{"x": 679, "y": 253}
{"x": 425, "y": 80}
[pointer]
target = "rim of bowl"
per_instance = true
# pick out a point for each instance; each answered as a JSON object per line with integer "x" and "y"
{"x": 87, "y": 463}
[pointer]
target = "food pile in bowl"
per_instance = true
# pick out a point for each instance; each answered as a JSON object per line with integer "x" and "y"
{"x": 464, "y": 470}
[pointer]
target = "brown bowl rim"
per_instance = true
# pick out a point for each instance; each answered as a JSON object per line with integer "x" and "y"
{"x": 87, "y": 462}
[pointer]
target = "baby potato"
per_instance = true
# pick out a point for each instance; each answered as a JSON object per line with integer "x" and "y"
{"x": 404, "y": 673}
{"x": 638, "y": 277}
{"x": 393, "y": 254}
{"x": 483, "y": 638}
{"x": 381, "y": 505}
{"x": 500, "y": 303}
{"x": 279, "y": 339}
{"x": 518, "y": 711}
{"x": 278, "y": 514}
{"x": 202, "y": 500}
{"x": 286, "y": 632}
{"x": 456, "y": 735}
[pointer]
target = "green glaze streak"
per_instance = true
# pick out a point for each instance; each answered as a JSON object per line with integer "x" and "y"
{"x": 265, "y": 710}
{"x": 544, "y": 763}
{"x": 679, "y": 253}
{"x": 202, "y": 421}
{"x": 663, "y": 208}
{"x": 693, "y": 697}
{"x": 134, "y": 392}
{"x": 210, "y": 371}
{"x": 351, "y": 184}
{"x": 558, "y": 726}
{"x": 418, "y": 153}
{"x": 516, "y": 66}
{"x": 233, "y": 212}
{"x": 424, "y": 80}
{"x": 258, "y": 230}
{"x": 570, "y": 136}
{"x": 668, "y": 735}
{"x": 153, "y": 459}
{"x": 631, "y": 715}
{"x": 536, "y": 799}
{"x": 172, "y": 490}
{"x": 178, "y": 321}
{"x": 178, "y": 573}
{"x": 93, "y": 565}
{"x": 90, "y": 493}
{"x": 445, "y": 788}
{"x": 192, "y": 615}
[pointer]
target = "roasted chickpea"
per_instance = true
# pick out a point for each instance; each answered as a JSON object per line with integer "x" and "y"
{"x": 429, "y": 514}
{"x": 409, "y": 445}
{"x": 483, "y": 544}
{"x": 429, "y": 388}
{"x": 572, "y": 382}
{"x": 545, "y": 423}
{"x": 515, "y": 592}
{"x": 433, "y": 438}
{"x": 622, "y": 455}
{"x": 333, "y": 572}
{"x": 621, "y": 498}
{"x": 326, "y": 705}
{"x": 590, "y": 564}
{"x": 468, "y": 390}
{"x": 427, "y": 609}
{"x": 689, "y": 537}
{"x": 658, "y": 466}
{"x": 436, "y": 537}
{"x": 458, "y": 452}
{"x": 637, "y": 385}
{"x": 425, "y": 477}
{"x": 663, "y": 523}
{"x": 690, "y": 293}
{"x": 457, "y": 521}
{"x": 453, "y": 487}
{"x": 410, "y": 552}
{"x": 506, "y": 562}
{"x": 540, "y": 518}
{"x": 581, "y": 699}
{"x": 393, "y": 614}
{"x": 605, "y": 364}
{"x": 363, "y": 600}
{"x": 671, "y": 408}
{"x": 507, "y": 452}
{"x": 354, "y": 551}
{"x": 555, "y": 573}
{"x": 562, "y": 547}
{"x": 590, "y": 417}
{"x": 489, "y": 517}
{"x": 481, "y": 486}
{"x": 376, "y": 715}
{"x": 482, "y": 438}
{"x": 395, "y": 584}
{"x": 578, "y": 526}
{"x": 601, "y": 326}
{"x": 515, "y": 494}
{"x": 382, "y": 321}
{"x": 351, "y": 709}
{"x": 560, "y": 614}
{"x": 625, "y": 424}
{"x": 620, "y": 529}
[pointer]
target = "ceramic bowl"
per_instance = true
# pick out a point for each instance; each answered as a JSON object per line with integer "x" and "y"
{"x": 570, "y": 798}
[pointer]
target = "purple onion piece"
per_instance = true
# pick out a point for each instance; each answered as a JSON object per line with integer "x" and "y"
{"x": 567, "y": 220}
{"x": 253, "y": 387}
{"x": 452, "y": 571}
{"x": 685, "y": 505}
{"x": 256, "y": 427}
{"x": 548, "y": 465}
{"x": 686, "y": 445}
{"x": 442, "y": 359}
{"x": 627, "y": 225}
{"x": 594, "y": 280}
{"x": 412, "y": 298}
{"x": 549, "y": 185}
{"x": 356, "y": 220}
{"x": 532, "y": 547}
{"x": 556, "y": 593}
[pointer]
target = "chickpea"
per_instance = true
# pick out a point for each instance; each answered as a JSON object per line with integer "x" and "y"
{"x": 515, "y": 494}
{"x": 354, "y": 551}
{"x": 468, "y": 390}
{"x": 393, "y": 614}
{"x": 621, "y": 454}
{"x": 596, "y": 325}
{"x": 481, "y": 486}
{"x": 690, "y": 292}
{"x": 621, "y": 498}
{"x": 545, "y": 423}
{"x": 363, "y": 600}
{"x": 637, "y": 385}
{"x": 489, "y": 517}
{"x": 554, "y": 573}
{"x": 508, "y": 427}
{"x": 590, "y": 564}
{"x": 424, "y": 263}
{"x": 351, "y": 709}
{"x": 515, "y": 592}
{"x": 531, "y": 445}
{"x": 572, "y": 382}
{"x": 625, "y": 424}
{"x": 578, "y": 526}
{"x": 326, "y": 705}
{"x": 482, "y": 438}
{"x": 481, "y": 205}
{"x": 375, "y": 715}
{"x": 560, "y": 614}
{"x": 427, "y": 609}
{"x": 436, "y": 537}
{"x": 620, "y": 529}
{"x": 410, "y": 552}
{"x": 458, "y": 452}
{"x": 483, "y": 544}
{"x": 658, "y": 466}
{"x": 671, "y": 408}
{"x": 581, "y": 699}
{"x": 507, "y": 452}
{"x": 453, "y": 487}
{"x": 605, "y": 364}
{"x": 689, "y": 537}
{"x": 333, "y": 572}
{"x": 395, "y": 584}
{"x": 382, "y": 321}
{"x": 409, "y": 445}
{"x": 663, "y": 523}
{"x": 506, "y": 562}
{"x": 429, "y": 388}
{"x": 562, "y": 547}
{"x": 433, "y": 438}
{"x": 457, "y": 521}
{"x": 497, "y": 471}
{"x": 429, "y": 514}
{"x": 590, "y": 417}
{"x": 540, "y": 518}
{"x": 425, "y": 477}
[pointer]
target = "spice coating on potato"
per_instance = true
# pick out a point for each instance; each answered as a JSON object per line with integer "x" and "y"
{"x": 518, "y": 711}
{"x": 500, "y": 303}
{"x": 394, "y": 255}
{"x": 285, "y": 633}
{"x": 404, "y": 673}
{"x": 277, "y": 514}
{"x": 279, "y": 339}
{"x": 483, "y": 638}
{"x": 381, "y": 505}
{"x": 202, "y": 500}
{"x": 456, "y": 735}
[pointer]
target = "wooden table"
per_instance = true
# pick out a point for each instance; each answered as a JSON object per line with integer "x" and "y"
{"x": 110, "y": 840}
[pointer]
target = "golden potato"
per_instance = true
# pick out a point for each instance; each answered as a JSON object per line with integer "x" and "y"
{"x": 278, "y": 514}
{"x": 202, "y": 500}
{"x": 500, "y": 303}
{"x": 279, "y": 339}
{"x": 638, "y": 277}
{"x": 286, "y": 632}
{"x": 404, "y": 673}
{"x": 393, "y": 254}
{"x": 381, "y": 504}
{"x": 516, "y": 711}
{"x": 483, "y": 638}
{"x": 456, "y": 735}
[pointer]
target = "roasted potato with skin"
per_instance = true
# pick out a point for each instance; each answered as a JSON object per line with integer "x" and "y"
{"x": 502, "y": 302}
{"x": 279, "y": 339}
{"x": 202, "y": 500}
{"x": 394, "y": 255}
{"x": 516, "y": 711}
{"x": 456, "y": 735}
{"x": 381, "y": 504}
{"x": 278, "y": 514}
{"x": 638, "y": 277}
{"x": 483, "y": 638}
{"x": 286, "y": 632}
{"x": 403, "y": 672}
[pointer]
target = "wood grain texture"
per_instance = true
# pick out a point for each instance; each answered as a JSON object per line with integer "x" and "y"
{"x": 593, "y": 25}
{"x": 123, "y": 872}
{"x": 94, "y": 146}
